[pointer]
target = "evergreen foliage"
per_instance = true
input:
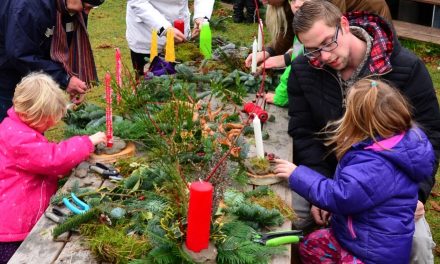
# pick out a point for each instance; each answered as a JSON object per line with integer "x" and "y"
{"x": 75, "y": 221}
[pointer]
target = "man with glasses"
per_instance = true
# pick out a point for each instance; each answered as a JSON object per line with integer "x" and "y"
{"x": 49, "y": 36}
{"x": 338, "y": 51}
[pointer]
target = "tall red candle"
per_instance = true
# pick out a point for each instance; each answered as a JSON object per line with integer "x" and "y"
{"x": 180, "y": 25}
{"x": 199, "y": 216}
{"x": 108, "y": 111}
{"x": 118, "y": 74}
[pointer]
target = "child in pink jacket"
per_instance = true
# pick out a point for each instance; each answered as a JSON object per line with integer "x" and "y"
{"x": 30, "y": 165}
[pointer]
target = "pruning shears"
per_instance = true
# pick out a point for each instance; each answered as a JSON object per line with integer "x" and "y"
{"x": 79, "y": 207}
{"x": 107, "y": 172}
{"x": 277, "y": 238}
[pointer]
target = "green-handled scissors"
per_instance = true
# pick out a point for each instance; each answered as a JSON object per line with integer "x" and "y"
{"x": 277, "y": 238}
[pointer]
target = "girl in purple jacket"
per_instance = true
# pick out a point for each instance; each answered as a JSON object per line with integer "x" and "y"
{"x": 373, "y": 195}
{"x": 30, "y": 166}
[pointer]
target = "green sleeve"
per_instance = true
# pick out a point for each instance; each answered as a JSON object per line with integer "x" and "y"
{"x": 280, "y": 97}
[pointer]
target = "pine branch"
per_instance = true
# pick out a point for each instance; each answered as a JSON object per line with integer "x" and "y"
{"x": 75, "y": 221}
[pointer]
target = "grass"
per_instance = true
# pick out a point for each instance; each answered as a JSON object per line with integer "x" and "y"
{"x": 107, "y": 32}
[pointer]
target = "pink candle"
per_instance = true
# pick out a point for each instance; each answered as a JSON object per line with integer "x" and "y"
{"x": 180, "y": 25}
{"x": 118, "y": 74}
{"x": 199, "y": 216}
{"x": 108, "y": 110}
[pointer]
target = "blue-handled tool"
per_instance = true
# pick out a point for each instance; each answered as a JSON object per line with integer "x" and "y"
{"x": 80, "y": 207}
{"x": 278, "y": 238}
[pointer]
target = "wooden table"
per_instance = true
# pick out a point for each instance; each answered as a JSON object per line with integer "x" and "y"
{"x": 40, "y": 248}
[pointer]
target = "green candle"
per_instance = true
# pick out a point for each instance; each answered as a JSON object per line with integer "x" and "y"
{"x": 206, "y": 40}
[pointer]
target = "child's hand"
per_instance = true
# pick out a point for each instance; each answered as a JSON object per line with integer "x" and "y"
{"x": 284, "y": 168}
{"x": 97, "y": 138}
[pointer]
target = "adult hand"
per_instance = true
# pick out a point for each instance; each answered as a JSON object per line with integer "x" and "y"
{"x": 321, "y": 216}
{"x": 197, "y": 26}
{"x": 420, "y": 210}
{"x": 261, "y": 55}
{"x": 269, "y": 98}
{"x": 98, "y": 137}
{"x": 284, "y": 168}
{"x": 179, "y": 37}
{"x": 76, "y": 86}
{"x": 77, "y": 98}
{"x": 274, "y": 62}
{"x": 76, "y": 89}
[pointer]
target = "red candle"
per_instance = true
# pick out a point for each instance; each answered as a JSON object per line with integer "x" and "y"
{"x": 118, "y": 74}
{"x": 108, "y": 111}
{"x": 180, "y": 25}
{"x": 199, "y": 216}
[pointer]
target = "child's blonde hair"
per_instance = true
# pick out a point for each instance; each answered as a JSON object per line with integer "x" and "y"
{"x": 374, "y": 109}
{"x": 38, "y": 99}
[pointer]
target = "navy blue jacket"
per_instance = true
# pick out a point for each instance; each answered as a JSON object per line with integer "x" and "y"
{"x": 373, "y": 195}
{"x": 25, "y": 37}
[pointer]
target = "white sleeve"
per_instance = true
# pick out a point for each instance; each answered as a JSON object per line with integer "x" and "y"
{"x": 203, "y": 8}
{"x": 146, "y": 13}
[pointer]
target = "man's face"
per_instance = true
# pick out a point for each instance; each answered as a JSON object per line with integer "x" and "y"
{"x": 322, "y": 37}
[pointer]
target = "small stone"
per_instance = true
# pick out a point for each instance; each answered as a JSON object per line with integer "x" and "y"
{"x": 117, "y": 213}
{"x": 205, "y": 256}
{"x": 82, "y": 169}
{"x": 118, "y": 146}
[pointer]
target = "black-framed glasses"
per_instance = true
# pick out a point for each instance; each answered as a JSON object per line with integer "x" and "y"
{"x": 313, "y": 54}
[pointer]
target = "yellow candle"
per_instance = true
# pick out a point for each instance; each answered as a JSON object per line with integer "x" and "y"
{"x": 153, "y": 49}
{"x": 169, "y": 47}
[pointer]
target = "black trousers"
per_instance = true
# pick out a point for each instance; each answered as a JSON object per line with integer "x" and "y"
{"x": 239, "y": 5}
{"x": 138, "y": 60}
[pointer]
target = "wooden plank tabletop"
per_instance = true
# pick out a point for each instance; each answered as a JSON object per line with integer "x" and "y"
{"x": 417, "y": 32}
{"x": 40, "y": 248}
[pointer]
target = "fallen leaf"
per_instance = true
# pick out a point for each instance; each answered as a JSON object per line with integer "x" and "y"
{"x": 435, "y": 206}
{"x": 435, "y": 194}
{"x": 105, "y": 46}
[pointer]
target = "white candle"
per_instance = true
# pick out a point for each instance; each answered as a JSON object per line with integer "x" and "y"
{"x": 260, "y": 35}
{"x": 258, "y": 136}
{"x": 254, "y": 57}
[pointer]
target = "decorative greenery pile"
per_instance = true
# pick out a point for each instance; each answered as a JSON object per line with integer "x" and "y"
{"x": 142, "y": 219}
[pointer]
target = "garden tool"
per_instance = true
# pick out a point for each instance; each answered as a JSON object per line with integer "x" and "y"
{"x": 277, "y": 238}
{"x": 253, "y": 109}
{"x": 107, "y": 172}
{"x": 56, "y": 215}
{"x": 79, "y": 207}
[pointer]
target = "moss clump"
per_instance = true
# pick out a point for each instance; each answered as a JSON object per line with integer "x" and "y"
{"x": 257, "y": 165}
{"x": 188, "y": 51}
{"x": 113, "y": 245}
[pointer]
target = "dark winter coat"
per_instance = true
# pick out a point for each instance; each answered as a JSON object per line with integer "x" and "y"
{"x": 26, "y": 28}
{"x": 316, "y": 97}
{"x": 373, "y": 195}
